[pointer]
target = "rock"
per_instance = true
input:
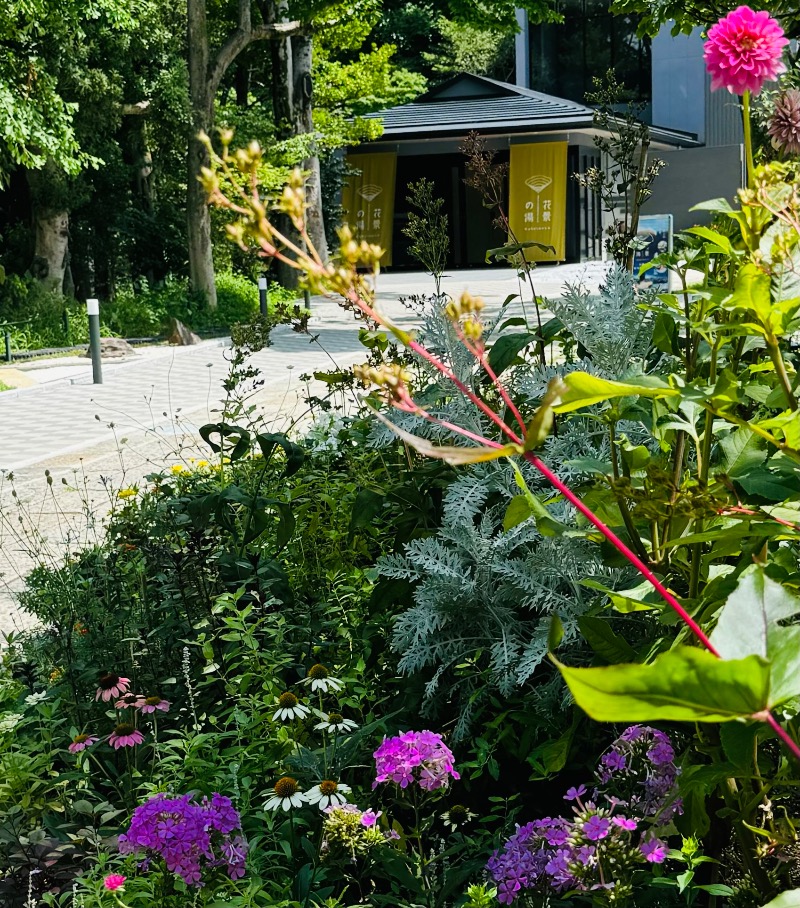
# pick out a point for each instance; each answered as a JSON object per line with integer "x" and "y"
{"x": 112, "y": 347}
{"x": 181, "y": 335}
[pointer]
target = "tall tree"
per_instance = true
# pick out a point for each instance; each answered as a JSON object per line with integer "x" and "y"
{"x": 206, "y": 70}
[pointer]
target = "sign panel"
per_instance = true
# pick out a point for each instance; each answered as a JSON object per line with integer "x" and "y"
{"x": 538, "y": 197}
{"x": 368, "y": 199}
{"x": 655, "y": 231}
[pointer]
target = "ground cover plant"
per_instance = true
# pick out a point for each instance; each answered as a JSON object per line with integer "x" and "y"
{"x": 521, "y": 629}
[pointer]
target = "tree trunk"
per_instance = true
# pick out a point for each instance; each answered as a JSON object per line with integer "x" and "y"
{"x": 201, "y": 99}
{"x": 302, "y": 49}
{"x": 51, "y": 235}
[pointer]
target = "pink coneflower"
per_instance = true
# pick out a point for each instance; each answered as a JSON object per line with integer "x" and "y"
{"x": 114, "y": 881}
{"x": 744, "y": 50}
{"x": 129, "y": 701}
{"x": 111, "y": 687}
{"x": 81, "y": 742}
{"x": 125, "y": 735}
{"x": 151, "y": 704}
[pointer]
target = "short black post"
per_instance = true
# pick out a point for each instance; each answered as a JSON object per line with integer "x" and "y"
{"x": 307, "y": 299}
{"x": 65, "y": 320}
{"x": 7, "y": 338}
{"x": 263, "y": 294}
{"x": 93, "y": 311}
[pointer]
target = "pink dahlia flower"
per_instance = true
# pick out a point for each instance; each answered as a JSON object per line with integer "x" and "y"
{"x": 151, "y": 704}
{"x": 114, "y": 881}
{"x": 125, "y": 735}
{"x": 111, "y": 687}
{"x": 744, "y": 50}
{"x": 81, "y": 742}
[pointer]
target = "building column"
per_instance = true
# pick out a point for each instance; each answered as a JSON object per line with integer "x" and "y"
{"x": 522, "y": 50}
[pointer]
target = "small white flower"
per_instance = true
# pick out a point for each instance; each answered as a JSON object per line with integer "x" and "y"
{"x": 287, "y": 795}
{"x": 335, "y": 723}
{"x": 33, "y": 699}
{"x": 328, "y": 794}
{"x": 320, "y": 680}
{"x": 289, "y": 707}
{"x": 10, "y": 721}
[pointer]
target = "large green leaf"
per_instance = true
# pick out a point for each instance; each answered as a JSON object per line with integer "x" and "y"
{"x": 788, "y": 899}
{"x": 583, "y": 389}
{"x": 682, "y": 685}
{"x": 506, "y": 348}
{"x": 742, "y": 451}
{"x": 598, "y": 633}
{"x": 752, "y": 291}
{"x": 749, "y": 624}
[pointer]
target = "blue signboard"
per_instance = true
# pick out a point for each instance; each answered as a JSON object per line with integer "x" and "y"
{"x": 655, "y": 234}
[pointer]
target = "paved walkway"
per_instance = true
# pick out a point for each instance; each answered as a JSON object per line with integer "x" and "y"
{"x": 94, "y": 439}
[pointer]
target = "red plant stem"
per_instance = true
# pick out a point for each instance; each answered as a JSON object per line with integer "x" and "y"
{"x": 483, "y": 359}
{"x": 784, "y": 735}
{"x": 481, "y": 405}
{"x": 623, "y": 549}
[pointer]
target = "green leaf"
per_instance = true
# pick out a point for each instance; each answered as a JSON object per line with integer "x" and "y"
{"x": 555, "y": 633}
{"x": 240, "y": 447}
{"x": 597, "y": 632}
{"x": 584, "y": 389}
{"x": 366, "y": 507}
{"x": 295, "y": 455}
{"x": 749, "y": 624}
{"x": 788, "y": 899}
{"x": 505, "y": 349}
{"x": 682, "y": 685}
{"x": 510, "y": 249}
{"x": 769, "y": 485}
{"x": 742, "y": 451}
{"x": 751, "y": 291}
{"x": 542, "y": 422}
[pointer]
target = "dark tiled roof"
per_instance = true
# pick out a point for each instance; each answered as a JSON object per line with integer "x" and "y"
{"x": 469, "y": 102}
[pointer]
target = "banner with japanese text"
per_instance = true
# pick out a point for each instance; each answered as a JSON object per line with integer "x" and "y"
{"x": 368, "y": 199}
{"x": 537, "y": 196}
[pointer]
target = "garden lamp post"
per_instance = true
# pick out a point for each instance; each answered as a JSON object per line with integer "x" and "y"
{"x": 93, "y": 311}
{"x": 263, "y": 294}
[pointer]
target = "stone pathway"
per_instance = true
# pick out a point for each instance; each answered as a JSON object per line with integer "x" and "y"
{"x": 66, "y": 444}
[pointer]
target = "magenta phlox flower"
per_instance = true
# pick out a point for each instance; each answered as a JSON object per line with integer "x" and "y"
{"x": 370, "y": 818}
{"x": 574, "y": 793}
{"x": 744, "y": 50}
{"x": 554, "y": 855}
{"x": 419, "y": 757}
{"x": 189, "y": 836}
{"x": 596, "y": 828}
{"x": 654, "y": 851}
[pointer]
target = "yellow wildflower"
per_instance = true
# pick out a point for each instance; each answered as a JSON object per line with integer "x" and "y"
{"x": 127, "y": 493}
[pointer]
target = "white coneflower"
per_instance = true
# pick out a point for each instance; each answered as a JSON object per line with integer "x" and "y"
{"x": 289, "y": 707}
{"x": 287, "y": 795}
{"x": 328, "y": 794}
{"x": 335, "y": 723}
{"x": 320, "y": 679}
{"x": 457, "y": 816}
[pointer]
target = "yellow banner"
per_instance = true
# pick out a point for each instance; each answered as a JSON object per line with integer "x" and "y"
{"x": 368, "y": 199}
{"x": 538, "y": 197}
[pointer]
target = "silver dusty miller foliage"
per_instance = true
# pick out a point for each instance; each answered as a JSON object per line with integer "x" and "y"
{"x": 484, "y": 596}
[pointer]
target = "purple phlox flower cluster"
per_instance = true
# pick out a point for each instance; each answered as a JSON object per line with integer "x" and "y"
{"x": 415, "y": 756}
{"x": 188, "y": 835}
{"x": 608, "y": 836}
{"x": 640, "y": 768}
